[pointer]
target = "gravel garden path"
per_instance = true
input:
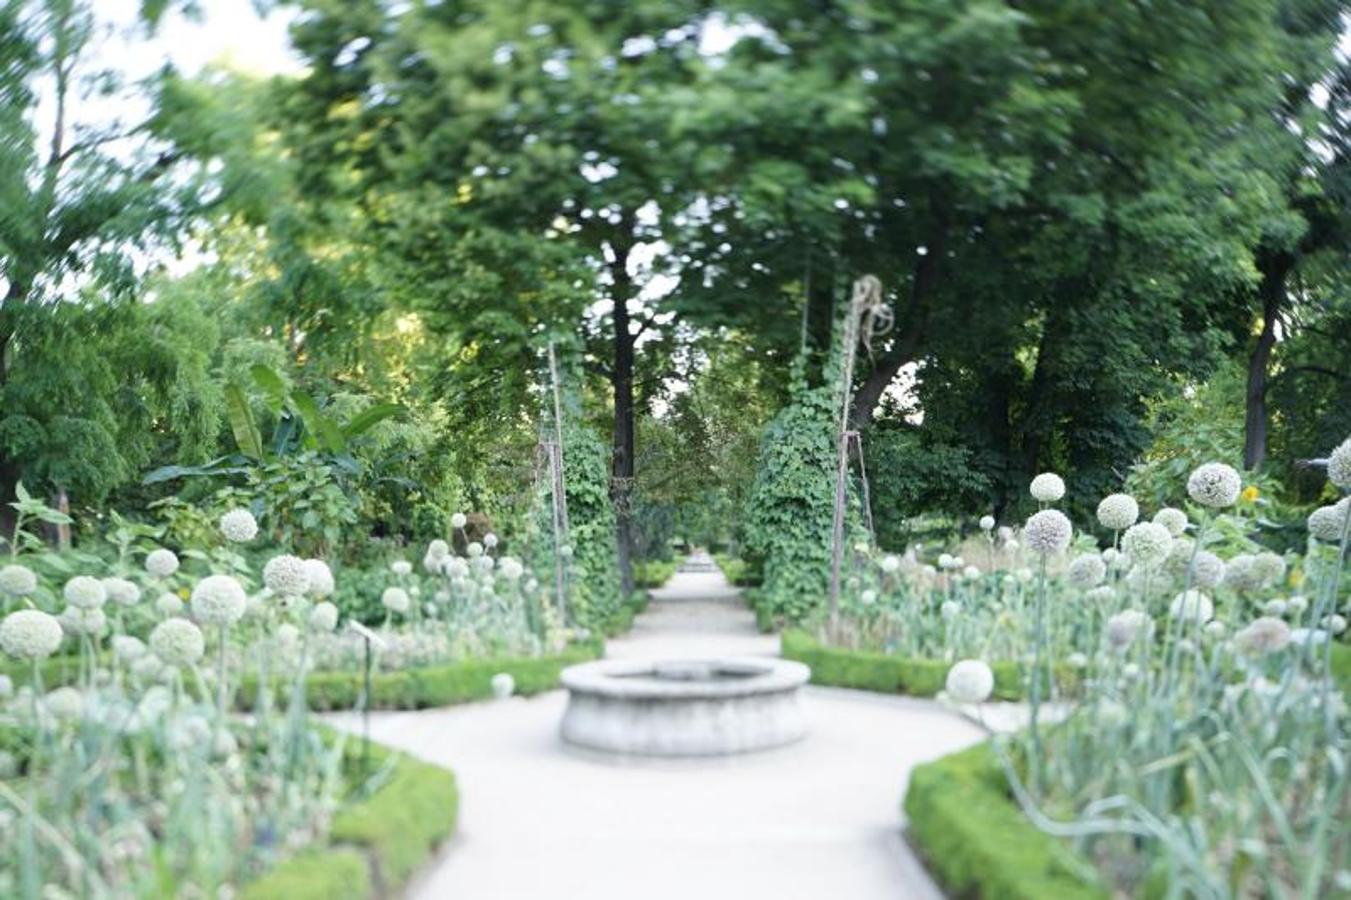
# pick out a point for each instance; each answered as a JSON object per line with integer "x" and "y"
{"x": 818, "y": 819}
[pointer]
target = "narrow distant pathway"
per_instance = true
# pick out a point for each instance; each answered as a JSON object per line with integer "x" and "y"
{"x": 813, "y": 821}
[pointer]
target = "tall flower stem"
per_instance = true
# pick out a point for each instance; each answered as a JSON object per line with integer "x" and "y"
{"x": 1034, "y": 689}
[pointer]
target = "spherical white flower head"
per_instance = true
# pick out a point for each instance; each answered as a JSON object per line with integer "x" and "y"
{"x": 85, "y": 592}
{"x": 456, "y": 567}
{"x": 475, "y": 550}
{"x": 17, "y": 580}
{"x": 1193, "y": 606}
{"x": 1264, "y": 635}
{"x": 1242, "y": 573}
{"x": 1005, "y": 534}
{"x": 1077, "y": 660}
{"x": 1126, "y": 627}
{"x": 177, "y": 642}
{"x": 1117, "y": 512}
{"x": 503, "y": 685}
{"x": 1214, "y": 630}
{"x": 401, "y": 567}
{"x": 1274, "y": 607}
{"x": 1269, "y": 567}
{"x": 65, "y": 704}
{"x": 1087, "y": 571}
{"x": 890, "y": 564}
{"x": 287, "y": 634}
{"x": 127, "y": 648}
{"x": 88, "y": 622}
{"x": 987, "y": 523}
{"x": 147, "y": 668}
{"x": 239, "y": 526}
{"x": 30, "y": 634}
{"x": 511, "y": 569}
{"x": 161, "y": 563}
{"x": 438, "y": 549}
{"x": 566, "y": 551}
{"x": 1327, "y": 523}
{"x": 321, "y": 578}
{"x": 485, "y": 563}
{"x": 1102, "y": 594}
{"x": 490, "y": 540}
{"x": 1335, "y": 623}
{"x": 1207, "y": 570}
{"x": 970, "y": 681}
{"x": 1215, "y": 485}
{"x": 1047, "y": 487}
{"x": 946, "y": 561}
{"x": 1175, "y": 520}
{"x": 1147, "y": 543}
{"x": 167, "y": 604}
{"x": 1339, "y": 465}
{"x": 286, "y": 575}
{"x": 459, "y": 520}
{"x": 324, "y": 616}
{"x": 1048, "y": 531}
{"x": 1297, "y": 605}
{"x": 121, "y": 591}
{"x": 218, "y": 600}
{"x": 950, "y": 610}
{"x": 395, "y": 599}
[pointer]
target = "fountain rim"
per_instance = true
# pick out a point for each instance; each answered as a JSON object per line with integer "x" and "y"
{"x": 607, "y": 678}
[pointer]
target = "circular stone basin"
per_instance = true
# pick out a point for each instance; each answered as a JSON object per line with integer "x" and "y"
{"x": 684, "y": 707}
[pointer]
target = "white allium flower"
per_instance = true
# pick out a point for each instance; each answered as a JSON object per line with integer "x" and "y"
{"x": 503, "y": 685}
{"x": 438, "y": 549}
{"x": 1147, "y": 543}
{"x": 65, "y": 704}
{"x": 168, "y": 604}
{"x": 946, "y": 561}
{"x": 1275, "y": 607}
{"x": 1264, "y": 635}
{"x": 1243, "y": 573}
{"x": 987, "y": 523}
{"x": 239, "y": 526}
{"x": 490, "y": 540}
{"x": 1270, "y": 567}
{"x": 485, "y": 563}
{"x": 287, "y": 634}
{"x": 1047, "y": 487}
{"x": 177, "y": 642}
{"x": 1025, "y": 574}
{"x": 85, "y": 592}
{"x": 218, "y": 600}
{"x": 1112, "y": 713}
{"x": 127, "y": 648}
{"x": 1328, "y": 522}
{"x": 147, "y": 667}
{"x": 89, "y": 622}
{"x": 1297, "y": 605}
{"x": 1175, "y": 520}
{"x": 566, "y": 551}
{"x": 1110, "y": 555}
{"x": 1077, "y": 660}
{"x": 459, "y": 520}
{"x": 1215, "y": 485}
{"x": 1339, "y": 465}
{"x": 1193, "y": 606}
{"x": 1207, "y": 570}
{"x": 161, "y": 563}
{"x": 971, "y": 573}
{"x": 1305, "y": 636}
{"x": 121, "y": 591}
{"x": 1126, "y": 627}
{"x": 511, "y": 569}
{"x": 1048, "y": 531}
{"x": 1005, "y": 534}
{"x": 1117, "y": 512}
{"x": 1335, "y": 623}
{"x": 395, "y": 599}
{"x": 17, "y": 580}
{"x": 401, "y": 567}
{"x": 1130, "y": 671}
{"x": 456, "y": 567}
{"x": 475, "y": 549}
{"x": 1087, "y": 570}
{"x": 321, "y": 578}
{"x": 30, "y": 634}
{"x": 970, "y": 681}
{"x": 286, "y": 575}
{"x": 1214, "y": 629}
{"x": 1101, "y": 594}
{"x": 868, "y": 597}
{"x": 950, "y": 610}
{"x": 890, "y": 564}
{"x": 324, "y": 616}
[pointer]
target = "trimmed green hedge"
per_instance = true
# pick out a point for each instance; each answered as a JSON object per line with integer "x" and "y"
{"x": 653, "y": 573}
{"x": 881, "y": 672}
{"x": 977, "y": 841}
{"x": 427, "y": 686}
{"x": 622, "y": 620}
{"x": 376, "y": 844}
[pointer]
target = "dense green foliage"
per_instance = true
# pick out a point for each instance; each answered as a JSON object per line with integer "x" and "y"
{"x": 884, "y": 672}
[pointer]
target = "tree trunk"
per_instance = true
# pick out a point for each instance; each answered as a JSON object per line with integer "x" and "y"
{"x": 1272, "y": 291}
{"x": 621, "y": 379}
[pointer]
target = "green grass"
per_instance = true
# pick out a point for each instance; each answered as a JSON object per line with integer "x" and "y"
{"x": 428, "y": 686}
{"x": 376, "y": 844}
{"x": 978, "y": 843}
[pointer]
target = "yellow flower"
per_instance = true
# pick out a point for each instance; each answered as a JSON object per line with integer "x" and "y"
{"x": 183, "y": 592}
{"x": 1251, "y": 493}
{"x": 1296, "y": 577}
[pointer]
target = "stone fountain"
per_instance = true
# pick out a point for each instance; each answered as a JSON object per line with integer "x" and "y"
{"x": 684, "y": 707}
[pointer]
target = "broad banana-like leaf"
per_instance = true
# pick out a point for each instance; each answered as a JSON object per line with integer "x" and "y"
{"x": 321, "y": 428}
{"x": 271, "y": 384}
{"x": 243, "y": 426}
{"x": 368, "y": 418}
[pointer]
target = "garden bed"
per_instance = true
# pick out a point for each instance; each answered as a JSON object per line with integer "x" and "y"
{"x": 429, "y": 686}
{"x": 375, "y": 845}
{"x": 977, "y": 842}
